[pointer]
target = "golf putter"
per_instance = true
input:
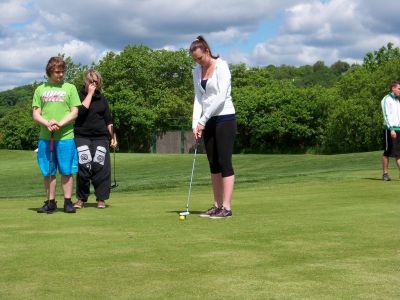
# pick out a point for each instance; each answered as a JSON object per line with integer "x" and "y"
{"x": 50, "y": 163}
{"x": 186, "y": 213}
{"x": 114, "y": 185}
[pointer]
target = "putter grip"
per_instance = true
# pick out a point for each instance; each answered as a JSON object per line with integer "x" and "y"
{"x": 51, "y": 142}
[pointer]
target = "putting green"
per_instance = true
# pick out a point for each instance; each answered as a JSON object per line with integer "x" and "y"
{"x": 304, "y": 226}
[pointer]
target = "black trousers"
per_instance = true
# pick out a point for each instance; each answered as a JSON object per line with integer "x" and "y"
{"x": 94, "y": 167}
{"x": 392, "y": 146}
{"x": 387, "y": 143}
{"x": 219, "y": 140}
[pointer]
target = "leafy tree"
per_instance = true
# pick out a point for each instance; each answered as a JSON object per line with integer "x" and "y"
{"x": 150, "y": 92}
{"x": 278, "y": 117}
{"x": 283, "y": 72}
{"x": 374, "y": 59}
{"x": 74, "y": 72}
{"x": 320, "y": 75}
{"x": 9, "y": 99}
{"x": 279, "y": 109}
{"x": 353, "y": 126}
{"x": 340, "y": 67}
{"x": 17, "y": 130}
{"x": 355, "y": 121}
{"x": 16, "y": 95}
{"x": 255, "y": 76}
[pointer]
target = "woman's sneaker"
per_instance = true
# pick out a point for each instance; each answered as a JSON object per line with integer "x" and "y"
{"x": 211, "y": 211}
{"x": 222, "y": 214}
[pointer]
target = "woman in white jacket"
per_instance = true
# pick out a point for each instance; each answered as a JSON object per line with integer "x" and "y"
{"x": 214, "y": 119}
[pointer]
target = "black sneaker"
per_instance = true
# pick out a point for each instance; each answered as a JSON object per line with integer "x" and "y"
{"x": 222, "y": 214}
{"x": 211, "y": 211}
{"x": 69, "y": 207}
{"x": 386, "y": 177}
{"x": 48, "y": 207}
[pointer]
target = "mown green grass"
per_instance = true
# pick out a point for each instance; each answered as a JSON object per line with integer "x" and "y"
{"x": 304, "y": 227}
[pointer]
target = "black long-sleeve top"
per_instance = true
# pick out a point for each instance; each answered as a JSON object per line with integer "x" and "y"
{"x": 92, "y": 122}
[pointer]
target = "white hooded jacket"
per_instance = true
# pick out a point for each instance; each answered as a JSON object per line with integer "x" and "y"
{"x": 216, "y": 99}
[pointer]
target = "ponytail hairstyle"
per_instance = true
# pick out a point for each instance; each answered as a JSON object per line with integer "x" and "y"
{"x": 200, "y": 43}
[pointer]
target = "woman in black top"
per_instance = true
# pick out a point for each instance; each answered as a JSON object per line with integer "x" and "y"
{"x": 93, "y": 128}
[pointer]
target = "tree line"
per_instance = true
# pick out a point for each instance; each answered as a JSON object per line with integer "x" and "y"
{"x": 286, "y": 109}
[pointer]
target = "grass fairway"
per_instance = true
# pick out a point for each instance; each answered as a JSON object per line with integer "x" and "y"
{"x": 304, "y": 227}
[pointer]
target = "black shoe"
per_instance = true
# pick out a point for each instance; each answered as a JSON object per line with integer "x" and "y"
{"x": 48, "y": 207}
{"x": 386, "y": 177}
{"x": 69, "y": 207}
{"x": 222, "y": 214}
{"x": 211, "y": 211}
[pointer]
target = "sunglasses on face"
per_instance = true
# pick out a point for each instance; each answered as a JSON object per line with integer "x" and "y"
{"x": 93, "y": 82}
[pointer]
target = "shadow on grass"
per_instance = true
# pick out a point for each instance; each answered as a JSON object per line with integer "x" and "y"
{"x": 374, "y": 178}
{"x": 61, "y": 209}
{"x": 192, "y": 212}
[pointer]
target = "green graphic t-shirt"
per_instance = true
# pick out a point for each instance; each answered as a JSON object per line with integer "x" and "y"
{"x": 55, "y": 102}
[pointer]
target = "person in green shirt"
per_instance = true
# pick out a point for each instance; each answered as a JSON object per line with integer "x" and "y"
{"x": 55, "y": 107}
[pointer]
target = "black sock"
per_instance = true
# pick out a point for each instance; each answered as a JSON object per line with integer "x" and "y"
{"x": 52, "y": 200}
{"x": 67, "y": 199}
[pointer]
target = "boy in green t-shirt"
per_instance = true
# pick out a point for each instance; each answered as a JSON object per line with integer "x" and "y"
{"x": 55, "y": 107}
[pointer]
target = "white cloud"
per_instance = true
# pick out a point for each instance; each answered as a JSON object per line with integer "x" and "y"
{"x": 328, "y": 31}
{"x": 30, "y": 53}
{"x": 10, "y": 80}
{"x": 13, "y": 11}
{"x": 310, "y": 30}
{"x": 80, "y": 51}
{"x": 85, "y": 30}
{"x": 236, "y": 57}
{"x": 155, "y": 23}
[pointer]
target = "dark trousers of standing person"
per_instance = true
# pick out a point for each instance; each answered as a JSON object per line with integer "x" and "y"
{"x": 95, "y": 167}
{"x": 219, "y": 140}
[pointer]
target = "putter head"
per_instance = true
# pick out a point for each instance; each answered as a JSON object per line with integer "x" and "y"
{"x": 184, "y": 213}
{"x": 114, "y": 185}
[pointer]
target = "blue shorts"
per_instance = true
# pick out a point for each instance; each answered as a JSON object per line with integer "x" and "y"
{"x": 64, "y": 157}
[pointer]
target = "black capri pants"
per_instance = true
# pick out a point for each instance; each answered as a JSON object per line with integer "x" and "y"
{"x": 219, "y": 138}
{"x": 95, "y": 167}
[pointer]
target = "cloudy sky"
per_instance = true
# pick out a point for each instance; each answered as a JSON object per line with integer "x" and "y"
{"x": 256, "y": 32}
